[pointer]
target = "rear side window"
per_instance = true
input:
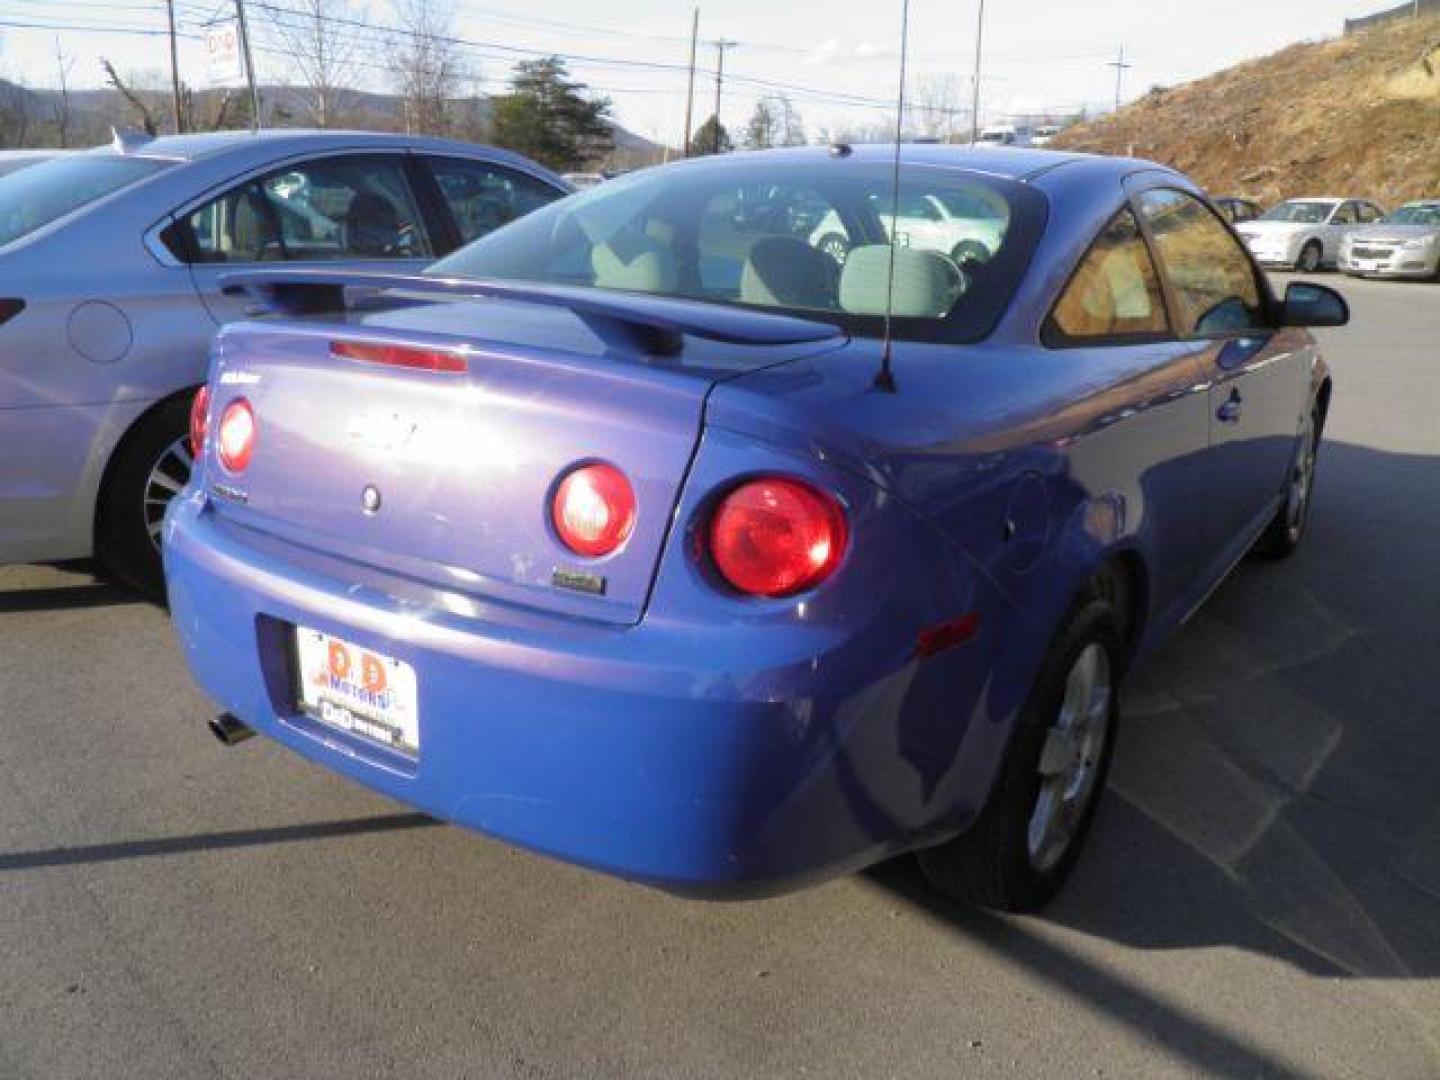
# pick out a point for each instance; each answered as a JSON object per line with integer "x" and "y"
{"x": 1115, "y": 292}
{"x": 1215, "y": 287}
{"x": 805, "y": 236}
{"x": 32, "y": 198}
{"x": 337, "y": 208}
{"x": 482, "y": 197}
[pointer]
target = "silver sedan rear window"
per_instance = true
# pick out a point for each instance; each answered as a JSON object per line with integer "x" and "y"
{"x": 32, "y": 198}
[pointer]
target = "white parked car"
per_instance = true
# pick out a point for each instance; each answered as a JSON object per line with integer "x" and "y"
{"x": 961, "y": 225}
{"x": 1005, "y": 135}
{"x": 1044, "y": 134}
{"x": 1405, "y": 245}
{"x": 1305, "y": 234}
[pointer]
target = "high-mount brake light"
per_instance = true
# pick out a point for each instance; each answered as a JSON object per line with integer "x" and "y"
{"x": 235, "y": 436}
{"x": 776, "y": 536}
{"x": 401, "y": 356}
{"x": 199, "y": 420}
{"x": 594, "y": 509}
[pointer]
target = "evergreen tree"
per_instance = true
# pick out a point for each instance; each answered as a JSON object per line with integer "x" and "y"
{"x": 548, "y": 116}
{"x": 711, "y": 138}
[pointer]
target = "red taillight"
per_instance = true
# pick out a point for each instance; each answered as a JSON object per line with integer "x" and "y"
{"x": 199, "y": 415}
{"x": 776, "y": 536}
{"x": 594, "y": 509}
{"x": 235, "y": 436}
{"x": 400, "y": 356}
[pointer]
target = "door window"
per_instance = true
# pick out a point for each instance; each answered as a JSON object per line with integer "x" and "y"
{"x": 1345, "y": 215}
{"x": 1216, "y": 290}
{"x": 482, "y": 197}
{"x": 1115, "y": 292}
{"x": 335, "y": 208}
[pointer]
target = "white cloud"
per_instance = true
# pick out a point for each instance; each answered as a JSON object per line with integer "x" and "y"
{"x": 823, "y": 53}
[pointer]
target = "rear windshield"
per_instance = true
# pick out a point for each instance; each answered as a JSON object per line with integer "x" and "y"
{"x": 32, "y": 198}
{"x": 807, "y": 238}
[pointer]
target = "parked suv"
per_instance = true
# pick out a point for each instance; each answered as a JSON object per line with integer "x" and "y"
{"x": 111, "y": 267}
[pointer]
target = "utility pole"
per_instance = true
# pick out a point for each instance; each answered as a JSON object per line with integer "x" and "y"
{"x": 174, "y": 69}
{"x": 721, "y": 44}
{"x": 249, "y": 65}
{"x": 975, "y": 99}
{"x": 1119, "y": 65}
{"x": 690, "y": 89}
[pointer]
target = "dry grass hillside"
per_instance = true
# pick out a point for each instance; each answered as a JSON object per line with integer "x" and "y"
{"x": 1359, "y": 115}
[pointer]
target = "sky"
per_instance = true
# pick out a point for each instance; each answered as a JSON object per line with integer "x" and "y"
{"x": 836, "y": 60}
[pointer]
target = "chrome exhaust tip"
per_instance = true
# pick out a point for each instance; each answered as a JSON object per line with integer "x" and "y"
{"x": 229, "y": 730}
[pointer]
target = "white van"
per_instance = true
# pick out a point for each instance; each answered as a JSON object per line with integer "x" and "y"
{"x": 1001, "y": 135}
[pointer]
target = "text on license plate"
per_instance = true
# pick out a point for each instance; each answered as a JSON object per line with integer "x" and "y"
{"x": 358, "y": 690}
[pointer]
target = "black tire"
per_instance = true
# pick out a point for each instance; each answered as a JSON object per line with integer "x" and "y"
{"x": 1311, "y": 256}
{"x": 992, "y": 863}
{"x": 131, "y": 504}
{"x": 834, "y": 245}
{"x": 1286, "y": 530}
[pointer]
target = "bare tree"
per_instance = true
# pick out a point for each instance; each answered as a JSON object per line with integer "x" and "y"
{"x": 791, "y": 127}
{"x": 132, "y": 97}
{"x": 934, "y": 103}
{"x": 775, "y": 122}
{"x": 321, "y": 38}
{"x": 425, "y": 64}
{"x": 63, "y": 65}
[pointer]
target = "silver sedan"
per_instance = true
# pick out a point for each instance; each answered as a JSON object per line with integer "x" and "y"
{"x": 1305, "y": 234}
{"x": 1404, "y": 245}
{"x": 110, "y": 267}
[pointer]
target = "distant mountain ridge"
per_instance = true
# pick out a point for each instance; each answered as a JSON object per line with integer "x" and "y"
{"x": 29, "y": 116}
{"x": 1357, "y": 115}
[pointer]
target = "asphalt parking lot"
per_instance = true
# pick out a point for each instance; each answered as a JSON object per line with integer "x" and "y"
{"x": 1261, "y": 896}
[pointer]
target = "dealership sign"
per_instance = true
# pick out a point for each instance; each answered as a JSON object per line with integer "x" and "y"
{"x": 224, "y": 58}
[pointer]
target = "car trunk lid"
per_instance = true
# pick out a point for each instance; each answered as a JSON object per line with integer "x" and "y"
{"x": 445, "y": 472}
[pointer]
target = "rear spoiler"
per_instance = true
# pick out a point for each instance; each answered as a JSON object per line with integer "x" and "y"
{"x": 635, "y": 322}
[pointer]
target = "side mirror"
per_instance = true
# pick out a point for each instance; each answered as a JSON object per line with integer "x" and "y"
{"x": 1313, "y": 305}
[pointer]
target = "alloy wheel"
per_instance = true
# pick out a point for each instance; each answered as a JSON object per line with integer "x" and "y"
{"x": 1071, "y": 757}
{"x": 168, "y": 477}
{"x": 1302, "y": 479}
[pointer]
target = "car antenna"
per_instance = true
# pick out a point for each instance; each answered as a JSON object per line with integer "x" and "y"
{"x": 885, "y": 378}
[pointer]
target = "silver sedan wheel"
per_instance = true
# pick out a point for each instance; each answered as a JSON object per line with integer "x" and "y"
{"x": 168, "y": 477}
{"x": 1302, "y": 479}
{"x": 1070, "y": 759}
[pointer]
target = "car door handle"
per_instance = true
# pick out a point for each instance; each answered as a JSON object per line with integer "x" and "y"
{"x": 1229, "y": 413}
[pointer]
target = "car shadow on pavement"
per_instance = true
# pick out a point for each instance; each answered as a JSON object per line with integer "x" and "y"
{"x": 1276, "y": 786}
{"x": 90, "y": 589}
{"x": 212, "y": 841}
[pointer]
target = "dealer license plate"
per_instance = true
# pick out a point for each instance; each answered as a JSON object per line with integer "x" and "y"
{"x": 358, "y": 690}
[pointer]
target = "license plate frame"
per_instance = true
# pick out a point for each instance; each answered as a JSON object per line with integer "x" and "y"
{"x": 361, "y": 691}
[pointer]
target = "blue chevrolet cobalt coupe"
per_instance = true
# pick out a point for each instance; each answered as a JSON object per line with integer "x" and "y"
{"x": 651, "y": 533}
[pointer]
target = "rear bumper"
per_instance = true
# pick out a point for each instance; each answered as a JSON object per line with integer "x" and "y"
{"x": 641, "y": 751}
